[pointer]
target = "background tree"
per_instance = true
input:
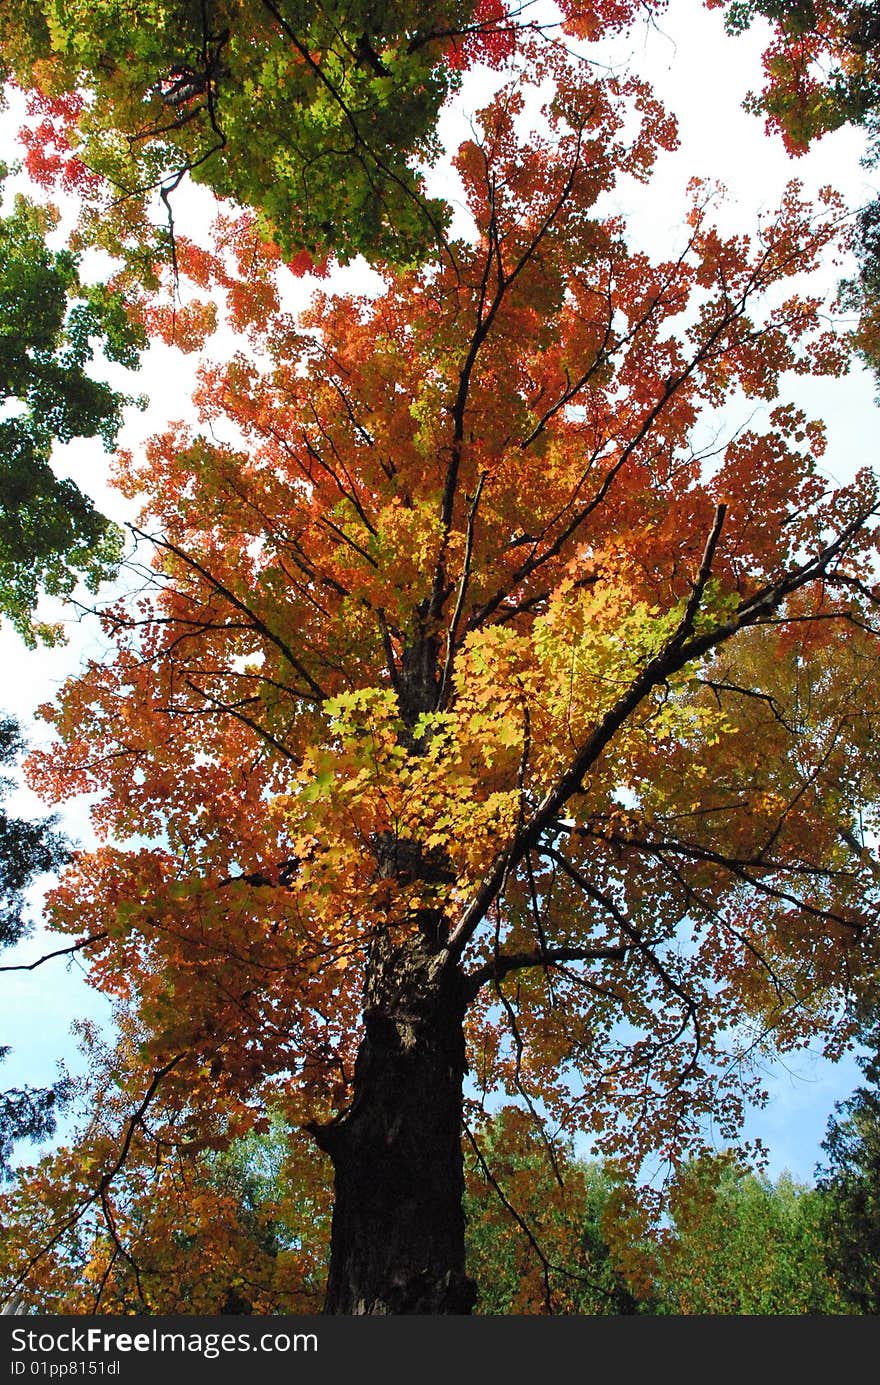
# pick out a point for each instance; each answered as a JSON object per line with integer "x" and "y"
{"x": 476, "y": 720}
{"x": 822, "y": 71}
{"x": 321, "y": 117}
{"x": 850, "y": 1179}
{"x": 740, "y": 1244}
{"x": 562, "y": 1236}
{"x": 27, "y": 849}
{"x": 536, "y": 1233}
{"x": 820, "y": 67}
{"x": 51, "y": 536}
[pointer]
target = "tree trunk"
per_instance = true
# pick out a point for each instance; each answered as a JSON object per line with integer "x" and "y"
{"x": 397, "y": 1243}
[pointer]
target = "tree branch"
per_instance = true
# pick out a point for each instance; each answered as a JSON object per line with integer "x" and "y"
{"x": 504, "y": 963}
{"x": 59, "y": 952}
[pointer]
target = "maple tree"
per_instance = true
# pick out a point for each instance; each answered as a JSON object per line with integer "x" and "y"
{"x": 485, "y": 727}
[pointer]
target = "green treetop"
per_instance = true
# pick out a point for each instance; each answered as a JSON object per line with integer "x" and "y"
{"x": 50, "y": 533}
{"x": 316, "y": 115}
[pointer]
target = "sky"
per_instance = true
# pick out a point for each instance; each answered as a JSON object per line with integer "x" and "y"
{"x": 703, "y": 77}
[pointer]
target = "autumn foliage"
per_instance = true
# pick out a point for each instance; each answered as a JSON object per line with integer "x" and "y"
{"x": 485, "y": 718}
{"x": 820, "y": 64}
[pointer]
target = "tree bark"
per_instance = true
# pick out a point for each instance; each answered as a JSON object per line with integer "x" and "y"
{"x": 397, "y": 1242}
